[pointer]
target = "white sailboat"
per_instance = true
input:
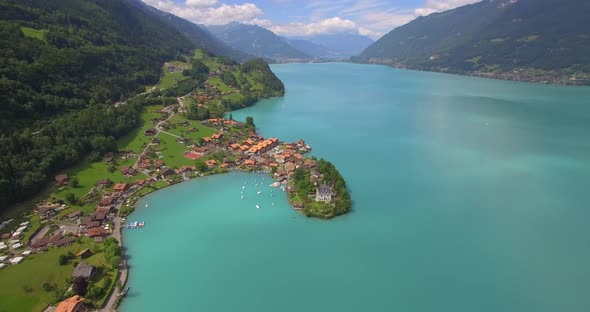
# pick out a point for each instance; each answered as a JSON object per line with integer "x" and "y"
{"x": 257, "y": 206}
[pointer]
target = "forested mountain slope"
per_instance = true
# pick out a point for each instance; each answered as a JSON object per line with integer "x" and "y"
{"x": 541, "y": 40}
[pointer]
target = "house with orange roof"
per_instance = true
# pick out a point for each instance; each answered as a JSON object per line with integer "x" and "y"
{"x": 250, "y": 162}
{"x": 210, "y": 163}
{"x": 224, "y": 165}
{"x": 121, "y": 187}
{"x": 207, "y": 139}
{"x": 273, "y": 165}
{"x": 72, "y": 304}
{"x": 244, "y": 148}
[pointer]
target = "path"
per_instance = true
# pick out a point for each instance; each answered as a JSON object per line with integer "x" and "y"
{"x": 158, "y": 130}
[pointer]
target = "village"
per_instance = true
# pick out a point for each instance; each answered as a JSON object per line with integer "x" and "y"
{"x": 233, "y": 146}
{"x": 79, "y": 224}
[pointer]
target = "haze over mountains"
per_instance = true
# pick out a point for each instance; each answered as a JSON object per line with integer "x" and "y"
{"x": 539, "y": 40}
{"x": 261, "y": 42}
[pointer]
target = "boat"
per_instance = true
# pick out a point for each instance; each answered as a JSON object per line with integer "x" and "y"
{"x": 273, "y": 203}
{"x": 257, "y": 206}
{"x": 243, "y": 187}
{"x": 242, "y": 197}
{"x": 259, "y": 192}
{"x": 146, "y": 205}
{"x": 276, "y": 184}
{"x": 124, "y": 292}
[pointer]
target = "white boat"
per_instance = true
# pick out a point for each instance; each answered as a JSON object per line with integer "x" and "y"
{"x": 257, "y": 207}
{"x": 273, "y": 204}
{"x": 146, "y": 205}
{"x": 243, "y": 187}
{"x": 259, "y": 192}
{"x": 242, "y": 197}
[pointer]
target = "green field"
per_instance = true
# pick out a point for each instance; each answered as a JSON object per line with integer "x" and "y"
{"x": 135, "y": 140}
{"x": 173, "y": 152}
{"x": 36, "y": 270}
{"x": 202, "y": 131}
{"x": 34, "y": 33}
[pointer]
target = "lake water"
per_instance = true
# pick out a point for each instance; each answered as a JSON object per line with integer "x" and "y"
{"x": 469, "y": 195}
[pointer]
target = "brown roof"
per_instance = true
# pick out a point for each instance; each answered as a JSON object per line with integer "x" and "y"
{"x": 74, "y": 214}
{"x": 97, "y": 231}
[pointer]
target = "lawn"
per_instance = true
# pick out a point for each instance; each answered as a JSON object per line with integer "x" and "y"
{"x": 169, "y": 80}
{"x": 34, "y": 33}
{"x": 173, "y": 151}
{"x": 33, "y": 272}
{"x": 202, "y": 131}
{"x": 216, "y": 81}
{"x": 135, "y": 140}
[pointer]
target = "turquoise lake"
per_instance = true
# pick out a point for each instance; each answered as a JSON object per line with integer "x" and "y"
{"x": 469, "y": 195}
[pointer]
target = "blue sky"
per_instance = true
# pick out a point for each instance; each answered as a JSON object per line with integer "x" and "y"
{"x": 373, "y": 18}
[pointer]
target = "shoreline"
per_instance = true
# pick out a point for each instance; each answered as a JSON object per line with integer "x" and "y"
{"x": 516, "y": 75}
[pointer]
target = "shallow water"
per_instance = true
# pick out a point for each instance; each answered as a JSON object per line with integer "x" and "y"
{"x": 469, "y": 195}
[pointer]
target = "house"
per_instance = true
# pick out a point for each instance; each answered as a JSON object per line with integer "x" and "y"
{"x": 103, "y": 182}
{"x": 166, "y": 172}
{"x": 324, "y": 193}
{"x": 95, "y": 231}
{"x": 210, "y": 163}
{"x": 61, "y": 179}
{"x": 83, "y": 270}
{"x": 150, "y": 132}
{"x": 204, "y": 150}
{"x": 72, "y": 304}
{"x": 98, "y": 216}
{"x": 46, "y": 211}
{"x": 74, "y": 214}
{"x": 128, "y": 171}
{"x": 250, "y": 162}
{"x": 84, "y": 253}
{"x": 121, "y": 187}
{"x": 104, "y": 209}
{"x": 106, "y": 201}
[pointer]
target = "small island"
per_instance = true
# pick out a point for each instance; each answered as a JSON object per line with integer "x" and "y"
{"x": 181, "y": 128}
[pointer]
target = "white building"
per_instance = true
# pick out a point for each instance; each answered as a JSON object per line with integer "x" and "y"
{"x": 324, "y": 193}
{"x": 16, "y": 260}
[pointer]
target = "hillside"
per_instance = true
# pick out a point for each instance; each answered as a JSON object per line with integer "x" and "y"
{"x": 257, "y": 41}
{"x": 200, "y": 37}
{"x": 536, "y": 40}
{"x": 311, "y": 49}
{"x": 64, "y": 63}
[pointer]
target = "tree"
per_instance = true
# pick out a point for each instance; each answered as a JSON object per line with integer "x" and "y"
{"x": 80, "y": 286}
{"x": 231, "y": 117}
{"x": 71, "y": 198}
{"x": 250, "y": 122}
{"x": 75, "y": 182}
{"x": 115, "y": 261}
{"x": 63, "y": 259}
{"x": 201, "y": 166}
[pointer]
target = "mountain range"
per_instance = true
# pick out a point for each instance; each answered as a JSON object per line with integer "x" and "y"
{"x": 257, "y": 41}
{"x": 538, "y": 40}
{"x": 261, "y": 42}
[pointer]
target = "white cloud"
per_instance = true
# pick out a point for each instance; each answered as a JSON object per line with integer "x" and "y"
{"x": 266, "y": 23}
{"x": 200, "y": 3}
{"x": 207, "y": 12}
{"x": 326, "y": 26}
{"x": 432, "y": 6}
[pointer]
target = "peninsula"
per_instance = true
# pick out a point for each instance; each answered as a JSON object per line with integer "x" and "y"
{"x": 72, "y": 239}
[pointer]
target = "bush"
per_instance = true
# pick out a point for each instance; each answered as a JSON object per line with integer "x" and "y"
{"x": 63, "y": 259}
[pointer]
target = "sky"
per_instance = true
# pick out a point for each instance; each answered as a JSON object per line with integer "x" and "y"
{"x": 291, "y": 18}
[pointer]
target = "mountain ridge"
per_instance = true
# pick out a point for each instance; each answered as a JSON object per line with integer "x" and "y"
{"x": 506, "y": 39}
